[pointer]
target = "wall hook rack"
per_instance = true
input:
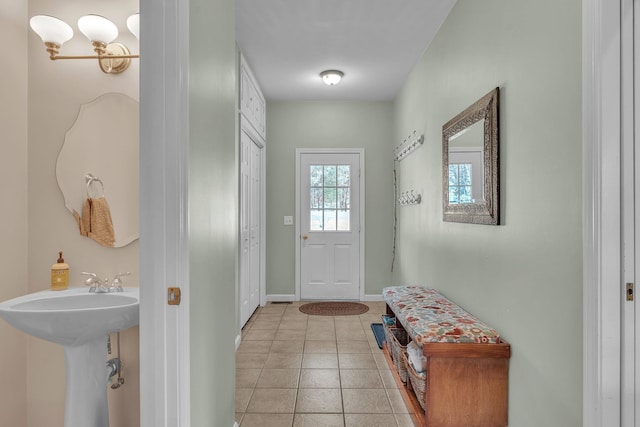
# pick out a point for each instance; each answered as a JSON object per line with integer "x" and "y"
{"x": 409, "y": 145}
{"x": 407, "y": 198}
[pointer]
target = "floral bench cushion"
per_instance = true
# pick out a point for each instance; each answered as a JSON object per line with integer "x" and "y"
{"x": 428, "y": 316}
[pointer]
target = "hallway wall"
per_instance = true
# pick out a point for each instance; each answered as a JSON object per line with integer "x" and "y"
{"x": 523, "y": 277}
{"x": 316, "y": 124}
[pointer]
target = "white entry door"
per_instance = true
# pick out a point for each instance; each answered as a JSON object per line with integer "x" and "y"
{"x": 250, "y": 229}
{"x": 329, "y": 225}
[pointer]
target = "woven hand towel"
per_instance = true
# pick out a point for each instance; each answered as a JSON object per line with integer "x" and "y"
{"x": 96, "y": 221}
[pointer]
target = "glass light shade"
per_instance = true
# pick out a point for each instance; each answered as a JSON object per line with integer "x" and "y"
{"x": 51, "y": 29}
{"x": 331, "y": 77}
{"x": 133, "y": 23}
{"x": 98, "y": 28}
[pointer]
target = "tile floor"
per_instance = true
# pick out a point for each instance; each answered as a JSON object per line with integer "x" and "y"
{"x": 293, "y": 369}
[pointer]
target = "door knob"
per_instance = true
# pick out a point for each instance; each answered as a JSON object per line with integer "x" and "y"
{"x": 305, "y": 236}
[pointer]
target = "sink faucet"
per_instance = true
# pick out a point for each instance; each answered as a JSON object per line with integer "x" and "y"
{"x": 96, "y": 285}
{"x": 116, "y": 284}
{"x": 101, "y": 286}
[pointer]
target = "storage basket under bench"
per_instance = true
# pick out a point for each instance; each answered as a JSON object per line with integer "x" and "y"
{"x": 467, "y": 362}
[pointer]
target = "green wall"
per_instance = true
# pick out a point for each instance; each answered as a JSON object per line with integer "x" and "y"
{"x": 523, "y": 277}
{"x": 212, "y": 210}
{"x": 292, "y": 125}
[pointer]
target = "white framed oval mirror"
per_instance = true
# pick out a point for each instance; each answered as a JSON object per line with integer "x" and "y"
{"x": 103, "y": 143}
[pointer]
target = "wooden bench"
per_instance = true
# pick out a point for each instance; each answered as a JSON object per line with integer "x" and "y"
{"x": 467, "y": 361}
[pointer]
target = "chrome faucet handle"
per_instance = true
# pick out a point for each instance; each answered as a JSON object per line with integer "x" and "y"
{"x": 92, "y": 281}
{"x": 116, "y": 284}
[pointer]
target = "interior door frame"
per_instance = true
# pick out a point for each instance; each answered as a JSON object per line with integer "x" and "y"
{"x": 299, "y": 153}
{"x": 602, "y": 36}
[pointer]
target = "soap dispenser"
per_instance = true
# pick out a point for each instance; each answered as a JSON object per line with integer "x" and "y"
{"x": 59, "y": 274}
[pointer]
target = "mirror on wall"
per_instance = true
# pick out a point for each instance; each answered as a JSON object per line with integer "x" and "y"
{"x": 470, "y": 164}
{"x": 97, "y": 170}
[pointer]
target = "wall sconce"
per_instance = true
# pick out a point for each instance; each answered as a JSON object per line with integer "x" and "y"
{"x": 113, "y": 58}
{"x": 331, "y": 77}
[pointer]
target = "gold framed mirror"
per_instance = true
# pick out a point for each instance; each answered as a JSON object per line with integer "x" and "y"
{"x": 470, "y": 167}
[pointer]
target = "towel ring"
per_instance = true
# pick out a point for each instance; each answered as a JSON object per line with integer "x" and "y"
{"x": 90, "y": 179}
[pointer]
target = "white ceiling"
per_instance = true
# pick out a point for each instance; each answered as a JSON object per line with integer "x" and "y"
{"x": 375, "y": 43}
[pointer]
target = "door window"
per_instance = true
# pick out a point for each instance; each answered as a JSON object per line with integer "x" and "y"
{"x": 330, "y": 197}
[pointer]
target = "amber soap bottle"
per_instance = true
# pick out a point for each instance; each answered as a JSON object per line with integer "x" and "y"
{"x": 59, "y": 274}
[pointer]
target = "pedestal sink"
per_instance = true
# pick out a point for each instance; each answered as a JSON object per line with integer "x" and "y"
{"x": 80, "y": 321}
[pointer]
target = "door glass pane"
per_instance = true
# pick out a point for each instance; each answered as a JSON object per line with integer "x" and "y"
{"x": 330, "y": 197}
{"x": 343, "y": 198}
{"x": 316, "y": 199}
{"x": 330, "y": 219}
{"x": 315, "y": 173}
{"x": 329, "y": 175}
{"x": 344, "y": 176}
{"x": 344, "y": 219}
{"x": 316, "y": 223}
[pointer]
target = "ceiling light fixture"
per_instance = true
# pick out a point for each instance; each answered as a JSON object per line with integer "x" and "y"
{"x": 331, "y": 77}
{"x": 113, "y": 58}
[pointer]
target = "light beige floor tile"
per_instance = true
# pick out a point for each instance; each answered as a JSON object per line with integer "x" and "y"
{"x": 321, "y": 321}
{"x": 325, "y": 346}
{"x": 273, "y": 309}
{"x": 272, "y": 400}
{"x": 404, "y": 420}
{"x": 290, "y": 334}
{"x": 247, "y": 378}
{"x": 239, "y": 416}
{"x": 366, "y": 401}
{"x": 320, "y": 361}
{"x": 243, "y": 395}
{"x": 300, "y": 319}
{"x": 319, "y": 378}
{"x": 387, "y": 378}
{"x": 356, "y": 361}
{"x": 360, "y": 378}
{"x": 353, "y": 347}
{"x": 293, "y": 323}
{"x": 318, "y": 420}
{"x": 396, "y": 401}
{"x": 288, "y": 346}
{"x": 254, "y": 347}
{"x": 265, "y": 324}
{"x": 260, "y": 335}
{"x": 278, "y": 378}
{"x": 325, "y": 335}
{"x": 250, "y": 360}
{"x": 267, "y": 420}
{"x": 283, "y": 361}
{"x": 350, "y": 334}
{"x": 269, "y": 316}
{"x": 369, "y": 420}
{"x": 319, "y": 400}
{"x": 381, "y": 360}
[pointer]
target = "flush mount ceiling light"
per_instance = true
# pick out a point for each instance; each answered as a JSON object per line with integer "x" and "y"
{"x": 331, "y": 77}
{"x": 113, "y": 58}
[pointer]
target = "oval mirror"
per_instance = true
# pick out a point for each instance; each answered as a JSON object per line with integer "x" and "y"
{"x": 98, "y": 162}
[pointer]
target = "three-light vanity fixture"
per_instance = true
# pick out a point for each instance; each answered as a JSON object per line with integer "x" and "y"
{"x": 113, "y": 58}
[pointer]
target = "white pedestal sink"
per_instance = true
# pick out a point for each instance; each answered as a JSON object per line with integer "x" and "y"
{"x": 80, "y": 321}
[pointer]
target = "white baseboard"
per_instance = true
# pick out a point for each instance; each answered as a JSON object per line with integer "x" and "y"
{"x": 236, "y": 424}
{"x": 281, "y": 297}
{"x": 373, "y": 297}
{"x": 238, "y": 341}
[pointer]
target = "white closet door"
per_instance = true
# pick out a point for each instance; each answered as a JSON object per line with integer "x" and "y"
{"x": 250, "y": 226}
